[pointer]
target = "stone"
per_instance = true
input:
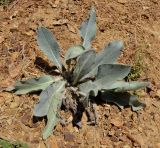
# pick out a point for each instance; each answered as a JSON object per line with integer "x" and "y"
{"x": 105, "y": 141}
{"x": 1, "y": 39}
{"x": 122, "y": 1}
{"x": 117, "y": 121}
{"x": 68, "y": 137}
{"x": 158, "y": 145}
{"x": 14, "y": 104}
{"x": 158, "y": 93}
{"x": 52, "y": 142}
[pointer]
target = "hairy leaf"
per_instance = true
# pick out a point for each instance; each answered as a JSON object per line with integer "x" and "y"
{"x": 121, "y": 86}
{"x": 46, "y": 97}
{"x": 88, "y": 29}
{"x": 34, "y": 84}
{"x": 49, "y": 104}
{"x": 112, "y": 72}
{"x": 126, "y": 86}
{"x": 108, "y": 55}
{"x": 88, "y": 88}
{"x": 74, "y": 52}
{"x": 122, "y": 99}
{"x": 84, "y": 65}
{"x": 109, "y": 74}
{"x": 49, "y": 45}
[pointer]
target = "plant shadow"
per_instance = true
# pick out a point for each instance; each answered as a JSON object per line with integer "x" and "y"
{"x": 45, "y": 67}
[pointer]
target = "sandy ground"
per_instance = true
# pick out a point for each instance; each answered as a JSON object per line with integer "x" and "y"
{"x": 136, "y": 22}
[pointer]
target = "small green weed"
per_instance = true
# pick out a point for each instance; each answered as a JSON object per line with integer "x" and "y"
{"x": 5, "y": 2}
{"x": 8, "y": 144}
{"x": 137, "y": 68}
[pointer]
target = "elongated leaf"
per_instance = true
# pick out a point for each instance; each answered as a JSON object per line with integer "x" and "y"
{"x": 49, "y": 45}
{"x": 121, "y": 86}
{"x": 126, "y": 86}
{"x": 46, "y": 97}
{"x": 88, "y": 88}
{"x": 88, "y": 29}
{"x": 84, "y": 65}
{"x": 55, "y": 105}
{"x": 112, "y": 72}
{"x": 108, "y": 55}
{"x": 74, "y": 52}
{"x": 49, "y": 104}
{"x": 123, "y": 99}
{"x": 108, "y": 74}
{"x": 34, "y": 84}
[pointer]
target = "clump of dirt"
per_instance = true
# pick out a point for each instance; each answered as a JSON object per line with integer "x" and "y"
{"x": 137, "y": 23}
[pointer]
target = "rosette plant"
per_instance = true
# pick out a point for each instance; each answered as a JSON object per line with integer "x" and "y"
{"x": 84, "y": 76}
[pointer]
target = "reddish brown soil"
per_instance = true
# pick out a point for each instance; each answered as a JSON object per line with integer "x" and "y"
{"x": 136, "y": 22}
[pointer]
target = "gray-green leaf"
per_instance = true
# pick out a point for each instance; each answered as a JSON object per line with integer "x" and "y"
{"x": 127, "y": 86}
{"x": 108, "y": 55}
{"x": 84, "y": 65}
{"x": 49, "y": 45}
{"x": 110, "y": 73}
{"x": 121, "y": 86}
{"x": 73, "y": 52}
{"x": 88, "y": 29}
{"x": 88, "y": 88}
{"x": 49, "y": 104}
{"x": 34, "y": 84}
{"x": 122, "y": 99}
{"x": 135, "y": 103}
